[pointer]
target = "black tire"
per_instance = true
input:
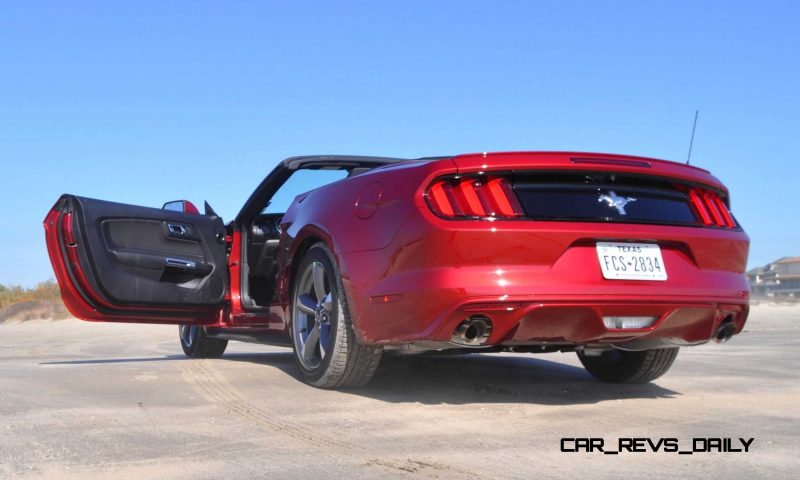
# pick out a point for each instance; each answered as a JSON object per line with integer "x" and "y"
{"x": 620, "y": 366}
{"x": 196, "y": 344}
{"x": 344, "y": 363}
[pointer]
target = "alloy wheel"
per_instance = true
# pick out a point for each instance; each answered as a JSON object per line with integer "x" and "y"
{"x": 188, "y": 333}
{"x": 312, "y": 315}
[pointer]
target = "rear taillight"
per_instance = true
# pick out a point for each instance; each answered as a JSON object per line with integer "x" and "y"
{"x": 474, "y": 197}
{"x": 711, "y": 209}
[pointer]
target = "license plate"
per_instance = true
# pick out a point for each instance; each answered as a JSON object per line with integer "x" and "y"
{"x": 631, "y": 261}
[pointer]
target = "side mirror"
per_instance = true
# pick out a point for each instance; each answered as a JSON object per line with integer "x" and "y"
{"x": 184, "y": 206}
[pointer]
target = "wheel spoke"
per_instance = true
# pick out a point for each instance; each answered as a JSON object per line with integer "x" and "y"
{"x": 327, "y": 303}
{"x": 318, "y": 274}
{"x": 306, "y": 304}
{"x": 188, "y": 332}
{"x": 301, "y": 324}
{"x": 311, "y": 343}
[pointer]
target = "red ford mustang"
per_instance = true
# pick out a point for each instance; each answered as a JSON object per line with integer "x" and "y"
{"x": 620, "y": 259}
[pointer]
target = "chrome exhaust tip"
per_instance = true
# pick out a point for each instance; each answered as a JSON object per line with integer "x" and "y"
{"x": 725, "y": 331}
{"x": 473, "y": 331}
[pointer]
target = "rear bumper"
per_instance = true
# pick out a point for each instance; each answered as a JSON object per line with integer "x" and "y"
{"x": 571, "y": 323}
{"x": 540, "y": 283}
{"x": 432, "y": 312}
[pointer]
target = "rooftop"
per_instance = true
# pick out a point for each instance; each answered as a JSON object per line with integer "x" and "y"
{"x": 787, "y": 260}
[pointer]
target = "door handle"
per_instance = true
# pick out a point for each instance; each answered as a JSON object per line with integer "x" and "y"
{"x": 183, "y": 264}
{"x": 181, "y": 231}
{"x": 177, "y": 229}
{"x": 188, "y": 266}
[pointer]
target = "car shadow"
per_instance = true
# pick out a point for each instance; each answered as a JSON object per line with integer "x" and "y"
{"x": 477, "y": 378}
{"x": 435, "y": 379}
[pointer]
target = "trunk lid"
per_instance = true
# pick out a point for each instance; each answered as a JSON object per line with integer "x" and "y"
{"x": 565, "y": 186}
{"x": 579, "y": 161}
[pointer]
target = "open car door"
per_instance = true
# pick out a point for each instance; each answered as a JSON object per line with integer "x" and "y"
{"x": 124, "y": 263}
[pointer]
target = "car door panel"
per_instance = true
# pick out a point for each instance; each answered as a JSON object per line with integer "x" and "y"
{"x": 117, "y": 262}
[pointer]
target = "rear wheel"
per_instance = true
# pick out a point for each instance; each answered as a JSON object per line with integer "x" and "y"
{"x": 325, "y": 346}
{"x": 620, "y": 366}
{"x": 196, "y": 344}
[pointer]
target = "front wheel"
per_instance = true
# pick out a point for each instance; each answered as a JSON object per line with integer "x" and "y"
{"x": 620, "y": 366}
{"x": 196, "y": 344}
{"x": 325, "y": 346}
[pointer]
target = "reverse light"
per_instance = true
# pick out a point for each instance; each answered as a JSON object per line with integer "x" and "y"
{"x": 474, "y": 197}
{"x": 622, "y": 323}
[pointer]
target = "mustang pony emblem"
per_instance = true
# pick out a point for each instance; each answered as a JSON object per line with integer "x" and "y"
{"x": 613, "y": 200}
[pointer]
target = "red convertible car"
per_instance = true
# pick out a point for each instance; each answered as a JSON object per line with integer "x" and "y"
{"x": 620, "y": 259}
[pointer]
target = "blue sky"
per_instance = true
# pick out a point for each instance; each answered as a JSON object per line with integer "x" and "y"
{"x": 142, "y": 102}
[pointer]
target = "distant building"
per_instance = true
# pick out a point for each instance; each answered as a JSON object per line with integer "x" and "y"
{"x": 780, "y": 278}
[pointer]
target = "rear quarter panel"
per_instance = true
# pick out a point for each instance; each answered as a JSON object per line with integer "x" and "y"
{"x": 357, "y": 214}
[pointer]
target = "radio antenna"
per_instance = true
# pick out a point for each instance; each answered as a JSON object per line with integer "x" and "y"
{"x": 691, "y": 142}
